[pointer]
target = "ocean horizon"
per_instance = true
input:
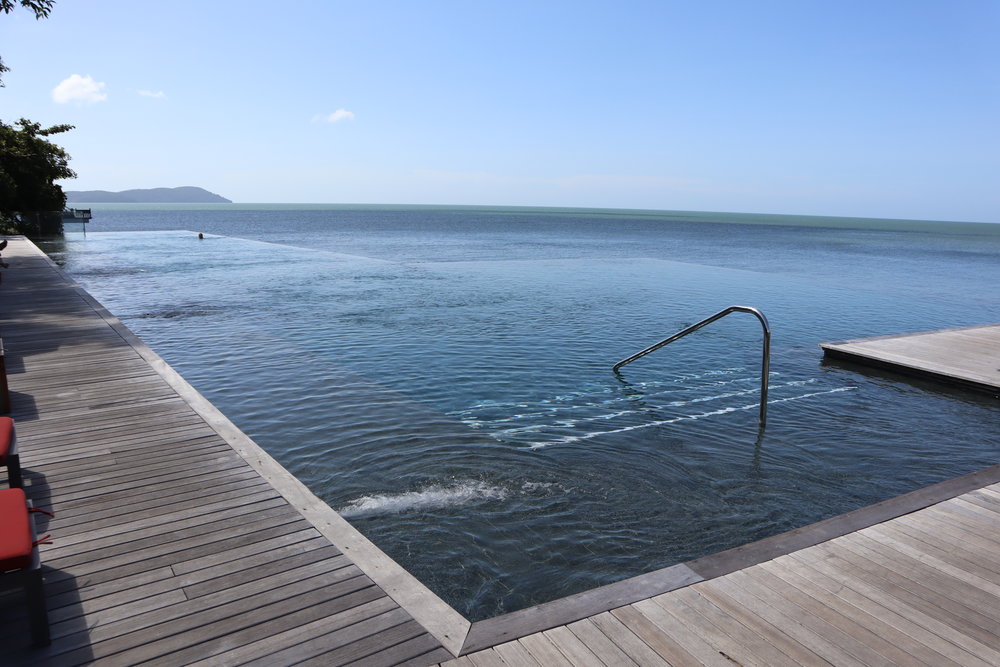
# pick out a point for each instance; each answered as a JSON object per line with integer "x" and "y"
{"x": 733, "y": 217}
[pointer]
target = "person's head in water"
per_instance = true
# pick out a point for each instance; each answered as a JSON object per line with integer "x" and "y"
{"x": 200, "y": 235}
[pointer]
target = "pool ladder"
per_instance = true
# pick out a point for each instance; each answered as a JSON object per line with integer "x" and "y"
{"x": 765, "y": 363}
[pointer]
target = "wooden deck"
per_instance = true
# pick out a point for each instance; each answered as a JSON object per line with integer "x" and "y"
{"x": 175, "y": 539}
{"x": 178, "y": 541}
{"x": 920, "y": 589}
{"x": 967, "y": 356}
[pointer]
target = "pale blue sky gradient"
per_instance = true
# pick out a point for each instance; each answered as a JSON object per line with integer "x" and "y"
{"x": 874, "y": 108}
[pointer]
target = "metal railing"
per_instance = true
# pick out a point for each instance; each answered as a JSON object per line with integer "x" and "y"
{"x": 765, "y": 363}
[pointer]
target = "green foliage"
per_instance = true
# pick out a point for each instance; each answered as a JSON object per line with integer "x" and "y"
{"x": 29, "y": 166}
{"x": 40, "y": 7}
{"x": 30, "y": 200}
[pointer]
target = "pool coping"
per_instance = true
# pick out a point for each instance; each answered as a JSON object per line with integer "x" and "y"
{"x": 456, "y": 633}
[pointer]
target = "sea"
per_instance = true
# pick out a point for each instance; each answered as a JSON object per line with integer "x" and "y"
{"x": 441, "y": 376}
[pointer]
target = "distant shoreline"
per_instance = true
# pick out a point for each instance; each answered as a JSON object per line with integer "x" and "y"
{"x": 187, "y": 194}
{"x": 778, "y": 219}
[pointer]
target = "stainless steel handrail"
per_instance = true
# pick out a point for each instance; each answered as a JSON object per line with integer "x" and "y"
{"x": 765, "y": 364}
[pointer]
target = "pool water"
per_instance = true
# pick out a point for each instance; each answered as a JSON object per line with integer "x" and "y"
{"x": 463, "y": 414}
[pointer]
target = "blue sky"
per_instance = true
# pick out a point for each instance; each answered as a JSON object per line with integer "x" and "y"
{"x": 873, "y": 108}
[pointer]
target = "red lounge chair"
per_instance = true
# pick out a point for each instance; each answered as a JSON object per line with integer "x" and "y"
{"x": 20, "y": 563}
{"x": 8, "y": 453}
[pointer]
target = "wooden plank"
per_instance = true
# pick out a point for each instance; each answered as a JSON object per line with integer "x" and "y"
{"x": 137, "y": 531}
{"x": 942, "y": 549}
{"x": 897, "y": 596}
{"x": 792, "y": 616}
{"x": 92, "y": 506}
{"x": 103, "y": 432}
{"x": 173, "y": 542}
{"x": 980, "y": 504}
{"x": 69, "y": 595}
{"x": 599, "y": 643}
{"x": 914, "y": 595}
{"x": 966, "y": 356}
{"x": 120, "y": 638}
{"x": 82, "y": 447}
{"x": 921, "y": 560}
{"x": 660, "y": 628}
{"x": 487, "y": 658}
{"x": 116, "y": 462}
{"x": 731, "y": 637}
{"x": 205, "y": 581}
{"x": 176, "y": 475}
{"x": 290, "y": 537}
{"x": 111, "y": 471}
{"x": 275, "y": 536}
{"x": 115, "y": 593}
{"x": 626, "y": 640}
{"x": 543, "y": 651}
{"x": 113, "y": 413}
{"x": 905, "y": 627}
{"x": 514, "y": 654}
{"x": 161, "y": 508}
{"x": 874, "y": 548}
{"x": 348, "y": 642}
{"x": 325, "y": 618}
{"x": 570, "y": 646}
{"x": 991, "y": 489}
{"x": 845, "y": 628}
{"x": 280, "y": 617}
{"x": 965, "y": 527}
{"x": 421, "y": 650}
{"x": 776, "y": 628}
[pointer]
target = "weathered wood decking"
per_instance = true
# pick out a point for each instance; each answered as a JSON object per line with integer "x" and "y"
{"x": 175, "y": 539}
{"x": 966, "y": 356}
{"x": 921, "y": 589}
{"x": 178, "y": 541}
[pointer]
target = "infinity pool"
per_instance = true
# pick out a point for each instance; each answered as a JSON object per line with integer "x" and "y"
{"x": 464, "y": 416}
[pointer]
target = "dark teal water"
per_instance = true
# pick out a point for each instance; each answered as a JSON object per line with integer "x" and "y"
{"x": 442, "y": 376}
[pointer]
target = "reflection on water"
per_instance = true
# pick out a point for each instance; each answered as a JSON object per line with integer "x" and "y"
{"x": 464, "y": 416}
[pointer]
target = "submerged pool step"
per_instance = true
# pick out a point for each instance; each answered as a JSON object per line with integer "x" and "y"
{"x": 617, "y": 408}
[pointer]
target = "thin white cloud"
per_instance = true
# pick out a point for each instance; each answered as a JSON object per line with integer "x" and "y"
{"x": 335, "y": 117}
{"x": 79, "y": 89}
{"x": 159, "y": 95}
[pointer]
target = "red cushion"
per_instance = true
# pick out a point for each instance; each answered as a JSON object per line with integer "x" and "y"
{"x": 6, "y": 435}
{"x": 15, "y": 530}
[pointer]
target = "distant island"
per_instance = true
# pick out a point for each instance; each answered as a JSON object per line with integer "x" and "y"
{"x": 183, "y": 195}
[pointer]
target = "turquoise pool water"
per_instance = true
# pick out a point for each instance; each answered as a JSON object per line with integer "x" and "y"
{"x": 446, "y": 385}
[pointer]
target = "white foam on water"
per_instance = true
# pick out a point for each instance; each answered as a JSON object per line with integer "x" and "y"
{"x": 435, "y": 496}
{"x": 571, "y": 402}
{"x": 574, "y": 422}
{"x": 722, "y": 411}
{"x": 558, "y": 402}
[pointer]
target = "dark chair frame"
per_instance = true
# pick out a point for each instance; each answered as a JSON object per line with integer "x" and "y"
{"x": 12, "y": 460}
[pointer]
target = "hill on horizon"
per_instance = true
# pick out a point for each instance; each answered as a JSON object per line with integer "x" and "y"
{"x": 182, "y": 195}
